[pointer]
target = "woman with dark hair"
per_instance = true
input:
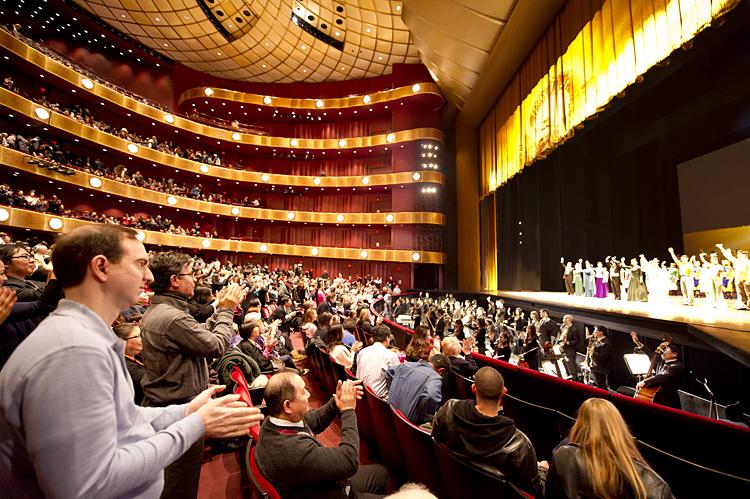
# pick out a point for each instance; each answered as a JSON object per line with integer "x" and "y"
{"x": 602, "y": 460}
{"x": 249, "y": 331}
{"x": 202, "y": 295}
{"x": 530, "y": 349}
{"x": 130, "y": 333}
{"x": 336, "y": 348}
{"x": 503, "y": 347}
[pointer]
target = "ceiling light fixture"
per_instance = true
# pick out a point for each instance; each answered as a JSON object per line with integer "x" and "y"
{"x": 95, "y": 182}
{"x": 41, "y": 113}
{"x": 390, "y": 137}
{"x": 206, "y": 243}
{"x": 55, "y": 223}
{"x": 133, "y": 148}
{"x": 318, "y": 103}
{"x": 416, "y": 88}
{"x": 208, "y": 91}
{"x": 314, "y": 251}
{"x": 87, "y": 84}
{"x": 236, "y": 136}
{"x": 267, "y": 100}
{"x": 169, "y": 118}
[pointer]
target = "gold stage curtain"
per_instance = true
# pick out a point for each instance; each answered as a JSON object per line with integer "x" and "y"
{"x": 592, "y": 51}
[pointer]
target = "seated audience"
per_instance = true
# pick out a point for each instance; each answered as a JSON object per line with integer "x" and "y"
{"x": 415, "y": 388}
{"x": 250, "y": 332}
{"x": 349, "y": 328}
{"x": 295, "y": 462}
{"x": 336, "y": 348}
{"x": 373, "y": 361}
{"x": 601, "y": 459}
{"x": 130, "y": 333}
{"x": 479, "y": 432}
{"x": 464, "y": 364}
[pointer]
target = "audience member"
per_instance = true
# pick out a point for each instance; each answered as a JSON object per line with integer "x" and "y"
{"x": 130, "y": 333}
{"x": 415, "y": 387}
{"x": 175, "y": 349}
{"x": 19, "y": 265}
{"x": 479, "y": 432}
{"x": 601, "y": 459}
{"x": 295, "y": 462}
{"x": 464, "y": 364}
{"x": 336, "y": 348}
{"x": 373, "y": 361}
{"x": 68, "y": 424}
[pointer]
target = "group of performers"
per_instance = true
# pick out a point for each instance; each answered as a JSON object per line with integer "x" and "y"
{"x": 537, "y": 342}
{"x": 718, "y": 275}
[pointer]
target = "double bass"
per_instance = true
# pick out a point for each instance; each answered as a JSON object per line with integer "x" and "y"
{"x": 648, "y": 393}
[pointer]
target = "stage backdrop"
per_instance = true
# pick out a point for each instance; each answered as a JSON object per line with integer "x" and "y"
{"x": 613, "y": 188}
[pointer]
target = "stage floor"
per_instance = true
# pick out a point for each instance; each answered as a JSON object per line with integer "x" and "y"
{"x": 671, "y": 309}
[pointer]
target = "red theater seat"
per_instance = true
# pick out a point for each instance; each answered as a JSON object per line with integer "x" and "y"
{"x": 419, "y": 457}
{"x": 389, "y": 446}
{"x": 364, "y": 420}
{"x": 241, "y": 389}
{"x": 262, "y": 486}
{"x": 463, "y": 480}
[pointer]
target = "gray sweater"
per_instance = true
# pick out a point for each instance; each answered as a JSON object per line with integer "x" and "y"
{"x": 299, "y": 466}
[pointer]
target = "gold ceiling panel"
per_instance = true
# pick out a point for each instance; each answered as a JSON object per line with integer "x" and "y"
{"x": 259, "y": 39}
{"x": 20, "y": 105}
{"x": 19, "y": 161}
{"x": 25, "y": 219}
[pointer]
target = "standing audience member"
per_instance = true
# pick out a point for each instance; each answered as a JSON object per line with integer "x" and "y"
{"x": 601, "y": 459}
{"x": 415, "y": 388}
{"x": 19, "y": 265}
{"x": 295, "y": 462}
{"x": 373, "y": 361}
{"x": 175, "y": 352}
{"x": 479, "y": 432}
{"x": 68, "y": 424}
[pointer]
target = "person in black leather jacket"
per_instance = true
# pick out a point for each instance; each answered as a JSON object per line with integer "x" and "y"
{"x": 479, "y": 432}
{"x": 601, "y": 460}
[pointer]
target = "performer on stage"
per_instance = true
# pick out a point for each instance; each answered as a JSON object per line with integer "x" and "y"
{"x": 502, "y": 351}
{"x": 567, "y": 275}
{"x": 741, "y": 266}
{"x": 578, "y": 278}
{"x": 614, "y": 275}
{"x": 547, "y": 327}
{"x": 636, "y": 287}
{"x": 588, "y": 280}
{"x": 601, "y": 277}
{"x": 572, "y": 343}
{"x": 687, "y": 272}
{"x": 668, "y": 378}
{"x": 601, "y": 358}
{"x": 712, "y": 275}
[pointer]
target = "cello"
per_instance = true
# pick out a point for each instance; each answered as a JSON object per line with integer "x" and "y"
{"x": 648, "y": 393}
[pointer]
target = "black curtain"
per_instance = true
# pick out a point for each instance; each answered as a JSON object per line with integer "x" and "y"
{"x": 612, "y": 189}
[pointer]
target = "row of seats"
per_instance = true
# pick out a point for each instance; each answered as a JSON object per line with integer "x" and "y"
{"x": 407, "y": 450}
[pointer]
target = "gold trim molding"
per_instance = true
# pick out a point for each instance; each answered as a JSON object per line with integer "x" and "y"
{"x": 53, "y": 67}
{"x": 19, "y": 161}
{"x": 26, "y": 219}
{"x": 26, "y": 107}
{"x": 311, "y": 104}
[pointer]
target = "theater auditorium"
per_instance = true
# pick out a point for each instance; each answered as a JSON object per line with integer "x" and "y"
{"x": 374, "y": 248}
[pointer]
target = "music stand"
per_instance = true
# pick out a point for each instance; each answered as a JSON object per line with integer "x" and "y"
{"x": 638, "y": 364}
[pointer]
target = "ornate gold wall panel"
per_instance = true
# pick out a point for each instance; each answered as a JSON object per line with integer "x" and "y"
{"x": 24, "y": 106}
{"x": 309, "y": 104}
{"x": 19, "y": 161}
{"x": 590, "y": 53}
{"x": 104, "y": 92}
{"x": 15, "y": 217}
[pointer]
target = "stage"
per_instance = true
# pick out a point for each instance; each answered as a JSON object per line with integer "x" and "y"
{"x": 726, "y": 330}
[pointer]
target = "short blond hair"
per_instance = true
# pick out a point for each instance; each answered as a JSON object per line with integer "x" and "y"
{"x": 451, "y": 346}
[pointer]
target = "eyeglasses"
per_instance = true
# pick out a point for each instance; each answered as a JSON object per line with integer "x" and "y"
{"x": 24, "y": 257}
{"x": 186, "y": 273}
{"x": 133, "y": 338}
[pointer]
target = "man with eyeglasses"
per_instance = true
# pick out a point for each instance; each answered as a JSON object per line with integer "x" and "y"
{"x": 19, "y": 265}
{"x": 175, "y": 352}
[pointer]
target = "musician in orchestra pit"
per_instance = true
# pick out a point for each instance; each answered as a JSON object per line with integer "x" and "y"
{"x": 669, "y": 378}
{"x": 530, "y": 349}
{"x": 601, "y": 358}
{"x": 547, "y": 327}
{"x": 572, "y": 343}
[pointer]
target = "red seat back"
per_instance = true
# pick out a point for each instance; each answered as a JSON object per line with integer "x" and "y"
{"x": 364, "y": 423}
{"x": 385, "y": 432}
{"x": 262, "y": 485}
{"x": 419, "y": 457}
{"x": 241, "y": 389}
{"x": 463, "y": 480}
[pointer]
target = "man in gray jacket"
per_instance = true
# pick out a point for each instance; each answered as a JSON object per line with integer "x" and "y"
{"x": 175, "y": 352}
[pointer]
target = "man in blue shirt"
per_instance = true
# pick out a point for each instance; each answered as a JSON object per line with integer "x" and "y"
{"x": 415, "y": 387}
{"x": 68, "y": 423}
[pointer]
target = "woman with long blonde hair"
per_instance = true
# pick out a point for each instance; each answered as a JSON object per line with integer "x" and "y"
{"x": 601, "y": 459}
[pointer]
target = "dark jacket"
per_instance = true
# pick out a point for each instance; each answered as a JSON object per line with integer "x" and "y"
{"x": 256, "y": 353}
{"x": 25, "y": 289}
{"x": 669, "y": 379}
{"x": 601, "y": 356}
{"x": 298, "y": 465}
{"x": 200, "y": 313}
{"x": 574, "y": 341}
{"x": 569, "y": 478}
{"x": 493, "y": 444}
{"x": 176, "y": 348}
{"x": 25, "y": 317}
{"x": 465, "y": 366}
